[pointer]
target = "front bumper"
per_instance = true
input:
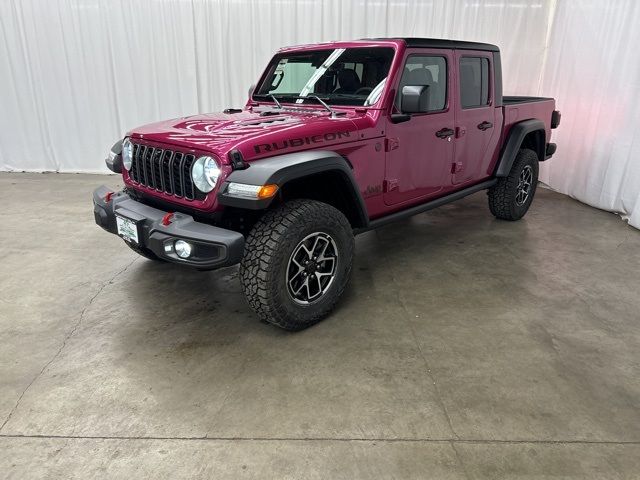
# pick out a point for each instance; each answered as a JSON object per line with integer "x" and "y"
{"x": 213, "y": 247}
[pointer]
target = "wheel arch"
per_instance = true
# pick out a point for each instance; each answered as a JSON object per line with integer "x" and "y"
{"x": 318, "y": 175}
{"x": 526, "y": 134}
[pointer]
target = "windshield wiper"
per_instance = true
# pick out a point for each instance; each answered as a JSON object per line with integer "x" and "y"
{"x": 332, "y": 112}
{"x": 320, "y": 100}
{"x": 271, "y": 96}
{"x": 275, "y": 99}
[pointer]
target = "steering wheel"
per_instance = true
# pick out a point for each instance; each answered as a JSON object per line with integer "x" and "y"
{"x": 363, "y": 90}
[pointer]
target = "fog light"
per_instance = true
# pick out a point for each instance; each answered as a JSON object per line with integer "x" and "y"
{"x": 183, "y": 249}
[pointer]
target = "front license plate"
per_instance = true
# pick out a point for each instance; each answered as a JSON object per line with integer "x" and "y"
{"x": 127, "y": 229}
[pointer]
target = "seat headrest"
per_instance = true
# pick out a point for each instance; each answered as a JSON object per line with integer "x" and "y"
{"x": 348, "y": 79}
{"x": 419, "y": 76}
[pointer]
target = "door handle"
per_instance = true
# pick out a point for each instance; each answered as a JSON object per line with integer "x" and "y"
{"x": 485, "y": 125}
{"x": 445, "y": 132}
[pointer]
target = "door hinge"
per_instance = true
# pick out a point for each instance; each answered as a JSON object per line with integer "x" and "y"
{"x": 391, "y": 144}
{"x": 390, "y": 185}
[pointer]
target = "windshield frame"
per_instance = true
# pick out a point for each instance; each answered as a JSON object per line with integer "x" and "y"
{"x": 262, "y": 98}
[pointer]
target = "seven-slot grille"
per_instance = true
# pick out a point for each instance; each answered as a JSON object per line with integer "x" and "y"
{"x": 163, "y": 170}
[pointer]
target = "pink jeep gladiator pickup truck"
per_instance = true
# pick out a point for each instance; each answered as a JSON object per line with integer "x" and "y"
{"x": 336, "y": 139}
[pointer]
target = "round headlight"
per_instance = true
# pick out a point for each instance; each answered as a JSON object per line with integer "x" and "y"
{"x": 205, "y": 173}
{"x": 127, "y": 153}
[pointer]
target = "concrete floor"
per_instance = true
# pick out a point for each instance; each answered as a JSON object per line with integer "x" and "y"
{"x": 465, "y": 347}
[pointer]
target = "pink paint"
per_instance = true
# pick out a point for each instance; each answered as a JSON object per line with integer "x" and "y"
{"x": 396, "y": 165}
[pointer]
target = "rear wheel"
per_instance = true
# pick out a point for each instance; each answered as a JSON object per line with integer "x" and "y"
{"x": 297, "y": 263}
{"x": 511, "y": 197}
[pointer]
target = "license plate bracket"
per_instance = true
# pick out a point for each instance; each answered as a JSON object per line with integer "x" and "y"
{"x": 127, "y": 229}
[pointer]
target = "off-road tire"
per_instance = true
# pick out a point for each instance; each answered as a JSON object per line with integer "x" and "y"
{"x": 268, "y": 249}
{"x": 502, "y": 196}
{"x": 144, "y": 252}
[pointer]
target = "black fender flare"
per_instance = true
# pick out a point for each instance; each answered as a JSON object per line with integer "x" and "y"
{"x": 115, "y": 163}
{"x": 281, "y": 169}
{"x": 514, "y": 142}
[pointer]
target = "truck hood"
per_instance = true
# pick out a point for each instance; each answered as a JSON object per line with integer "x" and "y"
{"x": 258, "y": 133}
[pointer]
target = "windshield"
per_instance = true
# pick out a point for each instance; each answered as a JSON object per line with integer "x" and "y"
{"x": 343, "y": 76}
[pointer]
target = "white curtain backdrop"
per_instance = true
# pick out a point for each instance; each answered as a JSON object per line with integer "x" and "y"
{"x": 593, "y": 70}
{"x": 75, "y": 75}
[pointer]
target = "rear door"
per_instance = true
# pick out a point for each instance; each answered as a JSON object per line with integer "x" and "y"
{"x": 477, "y": 132}
{"x": 419, "y": 155}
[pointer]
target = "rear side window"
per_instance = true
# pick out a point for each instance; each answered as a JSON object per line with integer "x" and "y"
{"x": 474, "y": 82}
{"x": 424, "y": 70}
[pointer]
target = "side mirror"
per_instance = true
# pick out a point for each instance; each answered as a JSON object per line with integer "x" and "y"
{"x": 415, "y": 99}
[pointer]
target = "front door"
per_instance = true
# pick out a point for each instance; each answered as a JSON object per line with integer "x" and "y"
{"x": 420, "y": 150}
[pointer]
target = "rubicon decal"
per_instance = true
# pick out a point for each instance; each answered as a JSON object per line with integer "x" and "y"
{"x": 298, "y": 142}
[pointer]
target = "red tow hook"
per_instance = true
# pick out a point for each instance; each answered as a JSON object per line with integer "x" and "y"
{"x": 167, "y": 219}
{"x": 108, "y": 196}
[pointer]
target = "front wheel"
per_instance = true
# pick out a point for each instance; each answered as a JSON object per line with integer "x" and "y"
{"x": 297, "y": 262}
{"x": 511, "y": 197}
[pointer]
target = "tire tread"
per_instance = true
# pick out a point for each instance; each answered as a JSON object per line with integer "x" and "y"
{"x": 260, "y": 262}
{"x": 502, "y": 194}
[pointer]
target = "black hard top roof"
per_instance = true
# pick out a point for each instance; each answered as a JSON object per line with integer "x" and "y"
{"x": 442, "y": 43}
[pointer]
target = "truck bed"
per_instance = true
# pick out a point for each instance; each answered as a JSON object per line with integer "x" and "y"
{"x": 516, "y": 109}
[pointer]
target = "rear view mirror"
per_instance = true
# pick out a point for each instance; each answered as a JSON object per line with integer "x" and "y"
{"x": 415, "y": 99}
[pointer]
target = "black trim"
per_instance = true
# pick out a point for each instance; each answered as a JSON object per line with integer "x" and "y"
{"x": 555, "y": 119}
{"x": 283, "y": 168}
{"x": 516, "y": 99}
{"x": 237, "y": 160}
{"x": 514, "y": 142}
{"x": 497, "y": 79}
{"x": 438, "y": 202}
{"x": 413, "y": 42}
{"x": 399, "y": 117}
{"x": 115, "y": 165}
{"x": 550, "y": 150}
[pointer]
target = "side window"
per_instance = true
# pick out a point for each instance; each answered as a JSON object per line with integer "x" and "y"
{"x": 474, "y": 82}
{"x": 431, "y": 71}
